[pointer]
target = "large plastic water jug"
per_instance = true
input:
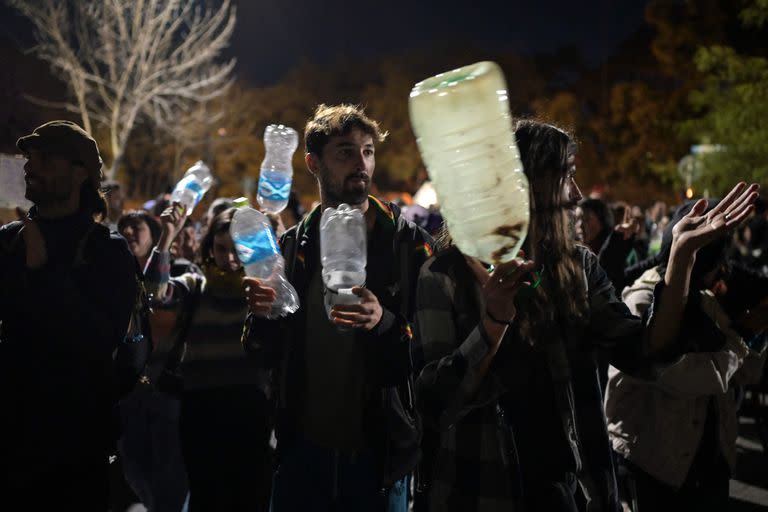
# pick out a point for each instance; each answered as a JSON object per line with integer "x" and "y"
{"x": 464, "y": 132}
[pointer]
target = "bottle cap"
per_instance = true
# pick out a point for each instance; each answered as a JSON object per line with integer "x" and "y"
{"x": 241, "y": 202}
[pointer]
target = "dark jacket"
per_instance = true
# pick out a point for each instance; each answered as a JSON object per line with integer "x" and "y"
{"x": 613, "y": 259}
{"x": 59, "y": 327}
{"x": 528, "y": 404}
{"x": 396, "y": 250}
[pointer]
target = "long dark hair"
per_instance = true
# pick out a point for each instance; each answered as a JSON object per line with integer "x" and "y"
{"x": 561, "y": 299}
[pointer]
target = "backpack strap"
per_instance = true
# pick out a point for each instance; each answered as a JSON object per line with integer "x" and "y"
{"x": 14, "y": 232}
{"x": 290, "y": 249}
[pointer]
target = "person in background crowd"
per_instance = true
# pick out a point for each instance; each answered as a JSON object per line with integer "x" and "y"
{"x": 217, "y": 206}
{"x": 597, "y": 223}
{"x": 224, "y": 421}
{"x": 141, "y": 231}
{"x": 115, "y": 197}
{"x": 186, "y": 245}
{"x": 185, "y": 251}
{"x": 618, "y": 247}
{"x": 294, "y": 212}
{"x": 509, "y": 387}
{"x": 159, "y": 204}
{"x": 67, "y": 291}
{"x": 751, "y": 243}
{"x": 577, "y": 221}
{"x": 631, "y": 216}
{"x": 677, "y": 434}
{"x": 658, "y": 218}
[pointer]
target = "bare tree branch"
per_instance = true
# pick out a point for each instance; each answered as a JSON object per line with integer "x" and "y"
{"x": 125, "y": 61}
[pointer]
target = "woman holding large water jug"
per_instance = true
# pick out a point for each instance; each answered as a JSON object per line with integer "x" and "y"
{"x": 507, "y": 383}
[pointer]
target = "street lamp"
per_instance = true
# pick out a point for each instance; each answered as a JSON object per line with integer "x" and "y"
{"x": 689, "y": 169}
{"x": 691, "y": 166}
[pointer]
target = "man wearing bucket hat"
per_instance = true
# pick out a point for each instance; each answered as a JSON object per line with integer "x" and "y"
{"x": 67, "y": 290}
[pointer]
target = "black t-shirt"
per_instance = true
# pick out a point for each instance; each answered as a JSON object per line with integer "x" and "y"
{"x": 531, "y": 411}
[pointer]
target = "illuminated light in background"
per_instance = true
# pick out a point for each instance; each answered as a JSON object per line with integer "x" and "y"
{"x": 689, "y": 193}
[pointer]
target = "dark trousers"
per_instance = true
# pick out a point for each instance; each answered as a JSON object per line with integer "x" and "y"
{"x": 312, "y": 478}
{"x": 555, "y": 496}
{"x": 704, "y": 489}
{"x": 150, "y": 450}
{"x": 225, "y": 443}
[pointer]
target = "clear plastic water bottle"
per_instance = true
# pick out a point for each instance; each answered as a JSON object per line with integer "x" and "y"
{"x": 464, "y": 132}
{"x": 193, "y": 186}
{"x": 280, "y": 142}
{"x": 256, "y": 246}
{"x": 343, "y": 252}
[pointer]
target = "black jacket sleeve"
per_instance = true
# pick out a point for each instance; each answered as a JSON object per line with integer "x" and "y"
{"x": 392, "y": 341}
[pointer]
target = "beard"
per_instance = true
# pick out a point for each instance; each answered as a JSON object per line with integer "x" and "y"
{"x": 345, "y": 191}
{"x": 46, "y": 191}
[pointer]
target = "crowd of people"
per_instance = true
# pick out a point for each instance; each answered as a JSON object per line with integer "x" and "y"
{"x": 602, "y": 368}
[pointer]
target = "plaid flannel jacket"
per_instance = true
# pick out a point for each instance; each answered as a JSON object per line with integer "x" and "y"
{"x": 470, "y": 460}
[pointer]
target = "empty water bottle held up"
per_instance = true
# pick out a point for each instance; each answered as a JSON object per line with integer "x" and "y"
{"x": 256, "y": 246}
{"x": 343, "y": 252}
{"x": 280, "y": 142}
{"x": 193, "y": 186}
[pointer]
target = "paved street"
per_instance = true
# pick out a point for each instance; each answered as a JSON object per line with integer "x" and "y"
{"x": 749, "y": 487}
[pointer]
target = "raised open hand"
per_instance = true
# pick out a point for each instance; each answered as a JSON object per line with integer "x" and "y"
{"x": 697, "y": 229}
{"x": 629, "y": 227}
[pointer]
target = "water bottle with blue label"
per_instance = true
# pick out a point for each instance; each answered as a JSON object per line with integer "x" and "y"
{"x": 280, "y": 142}
{"x": 256, "y": 246}
{"x": 343, "y": 253}
{"x": 192, "y": 186}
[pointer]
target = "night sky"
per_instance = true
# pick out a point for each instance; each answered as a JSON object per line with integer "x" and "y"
{"x": 272, "y": 36}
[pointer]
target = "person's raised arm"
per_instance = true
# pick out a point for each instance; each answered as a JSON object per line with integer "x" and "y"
{"x": 157, "y": 273}
{"x": 693, "y": 232}
{"x": 454, "y": 378}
